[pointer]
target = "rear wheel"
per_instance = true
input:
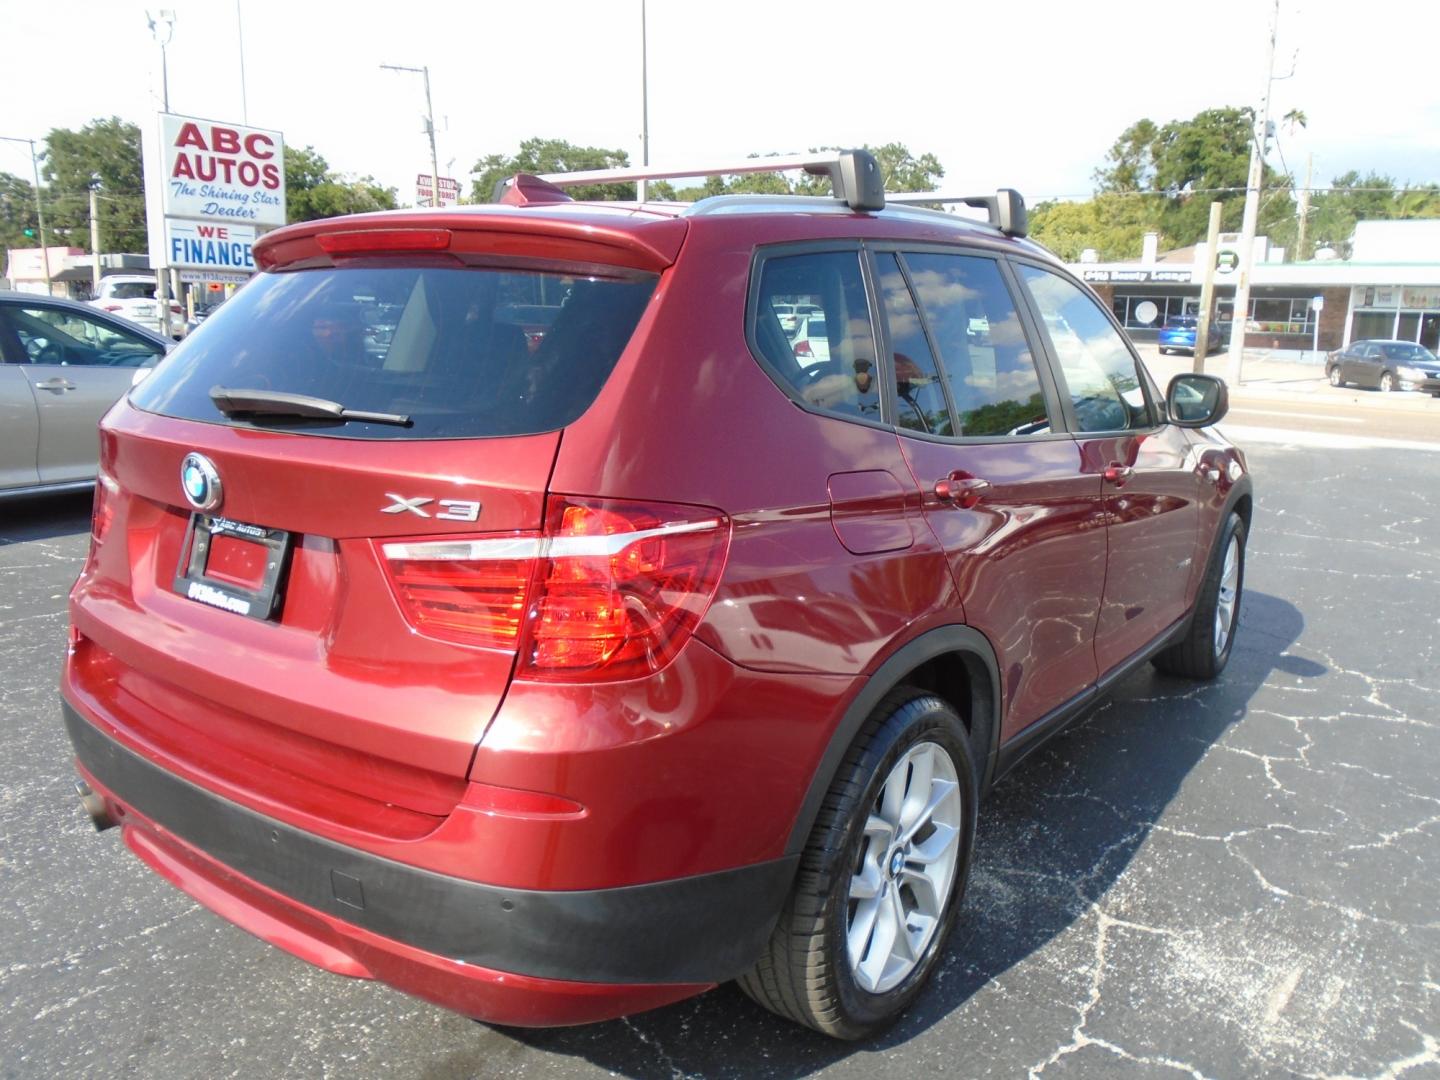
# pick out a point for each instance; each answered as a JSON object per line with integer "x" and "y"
{"x": 1205, "y": 649}
{"x": 1387, "y": 382}
{"x": 881, "y": 877}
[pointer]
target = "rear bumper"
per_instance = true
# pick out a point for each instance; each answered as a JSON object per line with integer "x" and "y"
{"x": 506, "y": 955}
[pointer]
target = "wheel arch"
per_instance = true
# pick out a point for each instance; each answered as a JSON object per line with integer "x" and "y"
{"x": 955, "y": 662}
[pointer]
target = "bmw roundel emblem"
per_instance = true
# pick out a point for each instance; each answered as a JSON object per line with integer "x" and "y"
{"x": 200, "y": 481}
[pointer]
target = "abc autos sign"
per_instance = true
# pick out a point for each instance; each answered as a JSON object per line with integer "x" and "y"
{"x": 222, "y": 172}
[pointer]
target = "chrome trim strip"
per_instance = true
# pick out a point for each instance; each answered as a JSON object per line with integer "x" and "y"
{"x": 539, "y": 547}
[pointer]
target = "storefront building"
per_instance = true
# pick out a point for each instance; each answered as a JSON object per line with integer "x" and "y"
{"x": 1388, "y": 288}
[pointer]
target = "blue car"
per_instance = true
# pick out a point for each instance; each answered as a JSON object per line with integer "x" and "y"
{"x": 1178, "y": 335}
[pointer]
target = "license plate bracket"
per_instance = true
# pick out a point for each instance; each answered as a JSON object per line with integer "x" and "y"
{"x": 258, "y": 601}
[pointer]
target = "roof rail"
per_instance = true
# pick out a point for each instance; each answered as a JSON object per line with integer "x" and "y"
{"x": 854, "y": 175}
{"x": 1006, "y": 207}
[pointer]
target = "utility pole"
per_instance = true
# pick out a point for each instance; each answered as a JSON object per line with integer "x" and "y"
{"x": 1207, "y": 289}
{"x": 1261, "y": 137}
{"x": 94, "y": 240}
{"x": 641, "y": 186}
{"x": 240, "y": 39}
{"x": 429, "y": 128}
{"x": 39, "y": 209}
{"x": 162, "y": 25}
{"x": 1302, "y": 207}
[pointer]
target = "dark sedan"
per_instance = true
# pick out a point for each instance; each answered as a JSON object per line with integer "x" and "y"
{"x": 62, "y": 364}
{"x": 1385, "y": 365}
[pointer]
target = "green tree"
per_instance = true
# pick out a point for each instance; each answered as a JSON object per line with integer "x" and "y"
{"x": 103, "y": 152}
{"x": 1179, "y": 168}
{"x": 313, "y": 190}
{"x": 538, "y": 156}
{"x": 1371, "y": 197}
{"x": 17, "y": 213}
{"x": 1113, "y": 224}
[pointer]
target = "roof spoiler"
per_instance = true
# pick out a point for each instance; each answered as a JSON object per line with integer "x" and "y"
{"x": 854, "y": 175}
{"x": 1006, "y": 207}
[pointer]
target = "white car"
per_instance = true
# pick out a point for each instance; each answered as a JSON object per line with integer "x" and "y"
{"x": 792, "y": 315}
{"x": 811, "y": 342}
{"x": 132, "y": 296}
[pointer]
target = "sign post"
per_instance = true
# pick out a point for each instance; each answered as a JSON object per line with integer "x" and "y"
{"x": 1317, "y": 305}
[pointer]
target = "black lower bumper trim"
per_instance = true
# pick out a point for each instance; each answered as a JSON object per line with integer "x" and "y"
{"x": 701, "y": 929}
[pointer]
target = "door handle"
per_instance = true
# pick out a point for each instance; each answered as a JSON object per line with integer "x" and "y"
{"x": 57, "y": 384}
{"x": 962, "y": 489}
{"x": 1117, "y": 474}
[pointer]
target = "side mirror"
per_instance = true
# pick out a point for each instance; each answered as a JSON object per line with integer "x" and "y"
{"x": 1196, "y": 401}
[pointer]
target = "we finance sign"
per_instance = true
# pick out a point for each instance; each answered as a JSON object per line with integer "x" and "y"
{"x": 222, "y": 172}
{"x": 196, "y": 245}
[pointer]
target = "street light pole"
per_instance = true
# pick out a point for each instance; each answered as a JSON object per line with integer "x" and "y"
{"x": 162, "y": 25}
{"x": 39, "y": 209}
{"x": 429, "y": 127}
{"x": 1240, "y": 318}
{"x": 640, "y": 188}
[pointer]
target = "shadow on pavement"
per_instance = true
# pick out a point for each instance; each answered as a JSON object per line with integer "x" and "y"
{"x": 44, "y": 517}
{"x": 1054, "y": 836}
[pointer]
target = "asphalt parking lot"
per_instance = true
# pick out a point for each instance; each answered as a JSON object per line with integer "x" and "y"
{"x": 1233, "y": 879}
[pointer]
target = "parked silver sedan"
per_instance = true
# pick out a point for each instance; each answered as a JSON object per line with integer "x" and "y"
{"x": 62, "y": 365}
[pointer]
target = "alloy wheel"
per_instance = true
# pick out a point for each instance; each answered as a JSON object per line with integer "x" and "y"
{"x": 905, "y": 869}
{"x": 1229, "y": 593}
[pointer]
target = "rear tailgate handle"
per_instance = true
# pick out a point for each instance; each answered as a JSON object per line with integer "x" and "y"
{"x": 962, "y": 489}
{"x": 57, "y": 384}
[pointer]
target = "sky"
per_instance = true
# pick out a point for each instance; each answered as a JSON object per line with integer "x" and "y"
{"x": 1028, "y": 95}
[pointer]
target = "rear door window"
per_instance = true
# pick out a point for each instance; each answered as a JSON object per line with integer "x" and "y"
{"x": 832, "y": 368}
{"x": 464, "y": 353}
{"x": 987, "y": 359}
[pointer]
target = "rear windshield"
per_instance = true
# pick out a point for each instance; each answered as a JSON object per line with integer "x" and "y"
{"x": 1181, "y": 322}
{"x": 133, "y": 290}
{"x": 464, "y": 353}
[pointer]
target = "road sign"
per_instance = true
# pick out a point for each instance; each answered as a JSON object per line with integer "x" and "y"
{"x": 425, "y": 190}
{"x": 1317, "y": 303}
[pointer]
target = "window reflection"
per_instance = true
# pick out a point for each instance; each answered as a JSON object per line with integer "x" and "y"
{"x": 1098, "y": 370}
{"x": 919, "y": 398}
{"x": 812, "y": 324}
{"x": 987, "y": 360}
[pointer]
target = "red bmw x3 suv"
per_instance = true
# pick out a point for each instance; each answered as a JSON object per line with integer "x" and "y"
{"x": 500, "y": 603}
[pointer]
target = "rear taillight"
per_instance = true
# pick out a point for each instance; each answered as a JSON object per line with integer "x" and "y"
{"x": 611, "y": 590}
{"x": 470, "y": 591}
{"x": 802, "y": 348}
{"x": 113, "y": 307}
{"x": 103, "y": 509}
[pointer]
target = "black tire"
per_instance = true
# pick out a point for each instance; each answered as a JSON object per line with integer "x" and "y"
{"x": 805, "y": 972}
{"x": 1387, "y": 382}
{"x": 1334, "y": 376}
{"x": 1196, "y": 655}
{"x": 1164, "y": 352}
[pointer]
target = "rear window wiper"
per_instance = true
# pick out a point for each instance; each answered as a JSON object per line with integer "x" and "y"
{"x": 274, "y": 403}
